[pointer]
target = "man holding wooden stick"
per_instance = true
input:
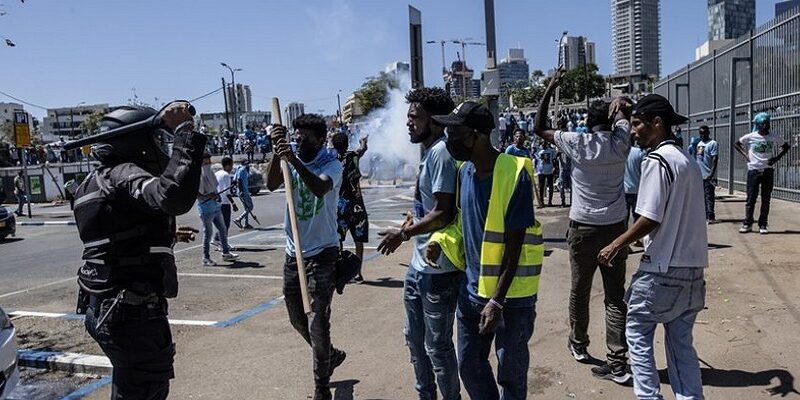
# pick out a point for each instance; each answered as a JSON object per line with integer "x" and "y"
{"x": 316, "y": 175}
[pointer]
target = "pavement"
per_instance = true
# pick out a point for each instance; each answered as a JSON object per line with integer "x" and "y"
{"x": 234, "y": 340}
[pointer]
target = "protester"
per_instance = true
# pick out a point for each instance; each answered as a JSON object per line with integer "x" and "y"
{"x": 502, "y": 125}
{"x": 430, "y": 293}
{"x": 597, "y": 216}
{"x": 211, "y": 214}
{"x": 20, "y": 190}
{"x": 351, "y": 211}
{"x": 518, "y": 147}
{"x": 225, "y": 188}
{"x": 760, "y": 169}
{"x": 316, "y": 179}
{"x": 503, "y": 251}
{"x": 668, "y": 288}
{"x": 564, "y": 177}
{"x": 633, "y": 173}
{"x": 545, "y": 171}
{"x": 242, "y": 178}
{"x": 706, "y": 153}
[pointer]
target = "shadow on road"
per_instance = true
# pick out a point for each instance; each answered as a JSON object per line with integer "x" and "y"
{"x": 252, "y": 249}
{"x": 714, "y": 246}
{"x": 343, "y": 390}
{"x": 385, "y": 282}
{"x": 787, "y": 232}
{"x": 739, "y": 378}
{"x": 11, "y": 240}
{"x": 241, "y": 265}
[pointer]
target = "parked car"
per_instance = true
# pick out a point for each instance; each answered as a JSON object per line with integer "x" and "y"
{"x": 256, "y": 181}
{"x": 9, "y": 372}
{"x": 8, "y": 223}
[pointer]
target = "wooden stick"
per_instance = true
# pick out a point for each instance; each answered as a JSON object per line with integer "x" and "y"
{"x": 298, "y": 247}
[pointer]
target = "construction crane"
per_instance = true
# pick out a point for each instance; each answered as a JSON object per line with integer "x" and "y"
{"x": 463, "y": 58}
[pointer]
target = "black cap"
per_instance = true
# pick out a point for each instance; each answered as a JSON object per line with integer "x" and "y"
{"x": 470, "y": 114}
{"x": 655, "y": 105}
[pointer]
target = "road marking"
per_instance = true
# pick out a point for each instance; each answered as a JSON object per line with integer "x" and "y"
{"x": 250, "y": 313}
{"x": 81, "y": 317}
{"x": 201, "y": 245}
{"x": 69, "y": 362}
{"x": 88, "y": 389}
{"x": 229, "y": 276}
{"x": 43, "y": 223}
{"x": 38, "y": 287}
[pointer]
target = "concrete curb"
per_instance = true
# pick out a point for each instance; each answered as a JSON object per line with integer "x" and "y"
{"x": 67, "y": 362}
{"x": 43, "y": 223}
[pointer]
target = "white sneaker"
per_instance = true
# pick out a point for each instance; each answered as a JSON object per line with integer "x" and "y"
{"x": 229, "y": 256}
{"x": 217, "y": 246}
{"x": 763, "y": 230}
{"x": 745, "y": 228}
{"x": 207, "y": 262}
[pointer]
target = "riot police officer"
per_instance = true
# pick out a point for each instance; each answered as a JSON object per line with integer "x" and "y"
{"x": 149, "y": 173}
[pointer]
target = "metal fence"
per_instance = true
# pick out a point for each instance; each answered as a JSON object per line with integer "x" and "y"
{"x": 758, "y": 72}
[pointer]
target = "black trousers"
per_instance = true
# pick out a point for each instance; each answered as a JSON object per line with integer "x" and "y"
{"x": 546, "y": 180}
{"x": 138, "y": 341}
{"x": 765, "y": 181}
{"x": 314, "y": 327}
{"x": 585, "y": 242}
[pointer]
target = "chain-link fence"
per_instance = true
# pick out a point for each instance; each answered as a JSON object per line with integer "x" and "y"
{"x": 764, "y": 68}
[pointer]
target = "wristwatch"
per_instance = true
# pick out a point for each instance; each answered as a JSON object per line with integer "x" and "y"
{"x": 404, "y": 235}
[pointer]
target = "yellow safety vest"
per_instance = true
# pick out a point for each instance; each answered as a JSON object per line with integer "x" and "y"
{"x": 450, "y": 238}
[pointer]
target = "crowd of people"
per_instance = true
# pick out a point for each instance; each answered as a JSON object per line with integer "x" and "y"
{"x": 477, "y": 248}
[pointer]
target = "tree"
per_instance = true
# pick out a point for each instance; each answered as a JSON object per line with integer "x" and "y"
{"x": 373, "y": 92}
{"x": 7, "y": 133}
{"x": 574, "y": 86}
{"x": 536, "y": 76}
{"x": 92, "y": 122}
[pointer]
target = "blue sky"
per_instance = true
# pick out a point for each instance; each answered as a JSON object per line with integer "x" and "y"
{"x": 71, "y": 51}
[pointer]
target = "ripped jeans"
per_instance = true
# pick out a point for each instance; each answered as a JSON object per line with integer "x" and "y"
{"x": 430, "y": 301}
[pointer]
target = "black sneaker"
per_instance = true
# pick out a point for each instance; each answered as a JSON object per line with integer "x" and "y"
{"x": 614, "y": 372}
{"x": 579, "y": 353}
{"x": 323, "y": 393}
{"x": 337, "y": 358}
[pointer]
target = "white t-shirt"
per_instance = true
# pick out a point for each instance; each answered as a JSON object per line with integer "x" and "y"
{"x": 760, "y": 149}
{"x": 224, "y": 181}
{"x": 671, "y": 193}
{"x": 502, "y": 123}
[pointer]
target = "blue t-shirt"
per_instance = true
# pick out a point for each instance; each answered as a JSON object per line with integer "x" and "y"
{"x": 242, "y": 175}
{"x": 633, "y": 169}
{"x": 437, "y": 174}
{"x": 516, "y": 151}
{"x": 316, "y": 217}
{"x": 546, "y": 158}
{"x": 704, "y": 152}
{"x": 474, "y": 199}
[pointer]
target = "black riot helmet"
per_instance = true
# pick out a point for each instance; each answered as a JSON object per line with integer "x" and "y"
{"x": 142, "y": 147}
{"x": 131, "y": 134}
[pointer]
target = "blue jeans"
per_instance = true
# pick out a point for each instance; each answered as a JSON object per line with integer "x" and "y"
{"x": 209, "y": 222}
{"x": 673, "y": 298}
{"x": 21, "y": 199}
{"x": 247, "y": 205}
{"x": 430, "y": 301}
{"x": 511, "y": 347}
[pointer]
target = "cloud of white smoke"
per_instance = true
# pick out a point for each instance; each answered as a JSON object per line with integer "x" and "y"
{"x": 389, "y": 147}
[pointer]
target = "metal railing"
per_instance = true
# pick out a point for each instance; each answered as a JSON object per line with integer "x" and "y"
{"x": 764, "y": 67}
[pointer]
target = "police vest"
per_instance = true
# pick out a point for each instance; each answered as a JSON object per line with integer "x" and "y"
{"x": 526, "y": 280}
{"x": 126, "y": 245}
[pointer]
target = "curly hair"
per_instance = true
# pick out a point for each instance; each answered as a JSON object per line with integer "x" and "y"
{"x": 435, "y": 101}
{"x": 313, "y": 122}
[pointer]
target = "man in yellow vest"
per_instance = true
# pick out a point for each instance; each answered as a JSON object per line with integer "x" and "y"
{"x": 500, "y": 246}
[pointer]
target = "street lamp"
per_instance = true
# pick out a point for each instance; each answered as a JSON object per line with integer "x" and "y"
{"x": 233, "y": 91}
{"x": 560, "y": 65}
{"x": 444, "y": 65}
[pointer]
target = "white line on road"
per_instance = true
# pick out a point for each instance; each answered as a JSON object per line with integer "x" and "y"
{"x": 38, "y": 287}
{"x": 76, "y": 316}
{"x": 198, "y": 275}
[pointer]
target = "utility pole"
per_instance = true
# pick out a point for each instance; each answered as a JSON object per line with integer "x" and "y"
{"x": 233, "y": 92}
{"x": 444, "y": 63}
{"x": 491, "y": 75}
{"x": 582, "y": 41}
{"x": 339, "y": 102}
{"x": 225, "y": 99}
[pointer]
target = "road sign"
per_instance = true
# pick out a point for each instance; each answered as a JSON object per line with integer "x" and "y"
{"x": 22, "y": 131}
{"x": 86, "y": 149}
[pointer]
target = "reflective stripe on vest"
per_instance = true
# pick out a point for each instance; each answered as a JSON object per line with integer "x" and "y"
{"x": 526, "y": 281}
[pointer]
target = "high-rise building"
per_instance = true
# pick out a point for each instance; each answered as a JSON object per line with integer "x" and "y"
{"x": 635, "y": 27}
{"x": 292, "y": 111}
{"x": 66, "y": 122}
{"x": 244, "y": 98}
{"x": 730, "y": 19}
{"x": 514, "y": 72}
{"x": 572, "y": 50}
{"x": 782, "y": 7}
{"x": 458, "y": 80}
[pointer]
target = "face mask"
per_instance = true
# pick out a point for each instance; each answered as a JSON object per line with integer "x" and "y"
{"x": 458, "y": 150}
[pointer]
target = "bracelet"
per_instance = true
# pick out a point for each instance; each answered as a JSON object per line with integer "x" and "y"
{"x": 495, "y": 303}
